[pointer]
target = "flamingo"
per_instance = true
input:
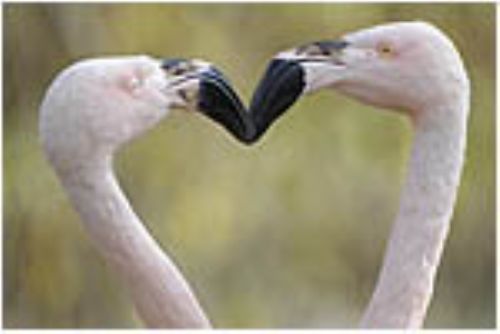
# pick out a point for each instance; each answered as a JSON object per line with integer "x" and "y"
{"x": 413, "y": 68}
{"x": 93, "y": 108}
{"x": 96, "y": 106}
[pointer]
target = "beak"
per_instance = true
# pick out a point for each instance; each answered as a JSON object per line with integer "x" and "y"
{"x": 214, "y": 97}
{"x": 281, "y": 85}
{"x": 286, "y": 79}
{"x": 219, "y": 102}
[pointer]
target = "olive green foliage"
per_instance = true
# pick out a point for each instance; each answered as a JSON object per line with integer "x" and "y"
{"x": 287, "y": 233}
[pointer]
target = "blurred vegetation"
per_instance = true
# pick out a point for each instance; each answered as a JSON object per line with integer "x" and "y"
{"x": 288, "y": 233}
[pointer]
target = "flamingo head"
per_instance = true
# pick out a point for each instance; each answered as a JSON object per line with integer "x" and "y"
{"x": 96, "y": 105}
{"x": 404, "y": 66}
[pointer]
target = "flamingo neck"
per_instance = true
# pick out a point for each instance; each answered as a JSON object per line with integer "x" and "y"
{"x": 405, "y": 285}
{"x": 161, "y": 295}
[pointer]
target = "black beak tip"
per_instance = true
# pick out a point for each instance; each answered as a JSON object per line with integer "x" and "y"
{"x": 282, "y": 84}
{"x": 218, "y": 101}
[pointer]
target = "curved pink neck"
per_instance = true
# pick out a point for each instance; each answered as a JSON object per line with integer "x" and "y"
{"x": 161, "y": 295}
{"x": 405, "y": 285}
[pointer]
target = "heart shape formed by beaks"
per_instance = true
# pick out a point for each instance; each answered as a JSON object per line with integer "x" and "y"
{"x": 283, "y": 82}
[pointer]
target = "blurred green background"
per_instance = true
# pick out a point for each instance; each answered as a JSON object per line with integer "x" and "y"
{"x": 287, "y": 233}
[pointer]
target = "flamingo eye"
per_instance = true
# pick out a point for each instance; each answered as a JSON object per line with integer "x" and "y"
{"x": 385, "y": 50}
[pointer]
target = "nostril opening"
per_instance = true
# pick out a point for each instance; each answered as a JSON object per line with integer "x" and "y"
{"x": 330, "y": 46}
{"x": 169, "y": 64}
